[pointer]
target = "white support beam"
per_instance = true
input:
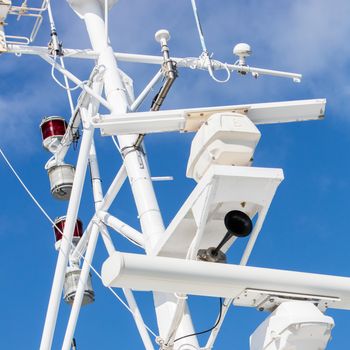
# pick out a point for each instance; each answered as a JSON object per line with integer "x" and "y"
{"x": 75, "y": 80}
{"x": 222, "y": 188}
{"x": 62, "y": 260}
{"x": 122, "y": 228}
{"x": 182, "y": 62}
{"x": 172, "y": 275}
{"x": 190, "y": 120}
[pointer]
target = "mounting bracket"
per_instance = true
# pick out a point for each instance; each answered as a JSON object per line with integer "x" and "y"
{"x": 268, "y": 300}
{"x": 5, "y": 6}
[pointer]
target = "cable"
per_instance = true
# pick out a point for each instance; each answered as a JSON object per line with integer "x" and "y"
{"x": 25, "y": 187}
{"x": 205, "y": 53}
{"x": 56, "y": 49}
{"x": 66, "y": 82}
{"x": 59, "y": 83}
{"x": 207, "y": 330}
{"x": 199, "y": 26}
{"x": 116, "y": 144}
{"x": 63, "y": 237}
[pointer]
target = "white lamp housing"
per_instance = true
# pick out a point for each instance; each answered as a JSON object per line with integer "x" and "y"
{"x": 294, "y": 325}
{"x": 224, "y": 139}
{"x": 61, "y": 178}
{"x": 70, "y": 287}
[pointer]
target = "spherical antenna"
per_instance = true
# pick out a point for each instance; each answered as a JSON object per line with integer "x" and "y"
{"x": 242, "y": 50}
{"x": 238, "y": 223}
{"x": 162, "y": 36}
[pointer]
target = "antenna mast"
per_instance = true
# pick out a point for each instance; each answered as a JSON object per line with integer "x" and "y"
{"x": 229, "y": 196}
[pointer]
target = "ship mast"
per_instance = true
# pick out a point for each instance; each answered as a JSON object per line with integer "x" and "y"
{"x": 230, "y": 201}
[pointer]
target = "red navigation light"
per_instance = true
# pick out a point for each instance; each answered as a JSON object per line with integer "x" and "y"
{"x": 59, "y": 227}
{"x": 52, "y": 131}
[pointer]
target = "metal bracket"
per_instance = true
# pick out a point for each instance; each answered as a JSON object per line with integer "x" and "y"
{"x": 268, "y": 300}
{"x": 5, "y": 6}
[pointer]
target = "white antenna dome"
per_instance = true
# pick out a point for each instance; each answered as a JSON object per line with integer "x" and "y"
{"x": 162, "y": 35}
{"x": 242, "y": 50}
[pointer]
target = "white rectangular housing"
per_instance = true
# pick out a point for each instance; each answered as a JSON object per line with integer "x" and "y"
{"x": 224, "y": 139}
{"x": 169, "y": 275}
{"x": 191, "y": 119}
{"x": 296, "y": 325}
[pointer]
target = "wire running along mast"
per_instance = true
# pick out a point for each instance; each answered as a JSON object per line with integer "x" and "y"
{"x": 210, "y": 205}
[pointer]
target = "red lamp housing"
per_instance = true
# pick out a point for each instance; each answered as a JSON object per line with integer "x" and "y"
{"x": 58, "y": 228}
{"x": 52, "y": 131}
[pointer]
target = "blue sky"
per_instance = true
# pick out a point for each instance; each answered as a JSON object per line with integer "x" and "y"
{"x": 307, "y": 226}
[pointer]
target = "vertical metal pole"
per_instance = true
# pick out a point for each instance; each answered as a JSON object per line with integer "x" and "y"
{"x": 78, "y": 298}
{"x": 73, "y": 318}
{"x": 138, "y": 319}
{"x": 98, "y": 199}
{"x": 107, "y": 202}
{"x": 116, "y": 95}
{"x": 135, "y": 161}
{"x": 72, "y": 212}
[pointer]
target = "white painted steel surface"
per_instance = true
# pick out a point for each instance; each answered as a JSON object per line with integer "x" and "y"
{"x": 224, "y": 139}
{"x": 85, "y": 271}
{"x": 150, "y": 273}
{"x": 135, "y": 161}
{"x": 73, "y": 206}
{"x": 121, "y": 227}
{"x": 4, "y": 10}
{"x": 231, "y": 188}
{"x": 210, "y": 197}
{"x": 106, "y": 203}
{"x": 186, "y": 62}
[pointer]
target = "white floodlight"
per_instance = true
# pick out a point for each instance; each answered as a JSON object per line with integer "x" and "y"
{"x": 296, "y": 325}
{"x": 70, "y": 286}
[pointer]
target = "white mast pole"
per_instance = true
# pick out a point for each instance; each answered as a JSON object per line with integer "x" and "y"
{"x": 92, "y": 13}
{"x": 73, "y": 318}
{"x": 63, "y": 255}
{"x": 135, "y": 162}
{"x": 98, "y": 198}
